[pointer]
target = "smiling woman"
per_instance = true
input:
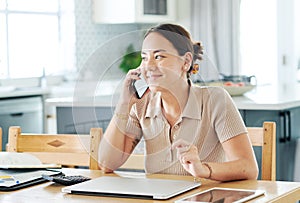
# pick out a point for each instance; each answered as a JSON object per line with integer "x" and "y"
{"x": 32, "y": 33}
{"x": 187, "y": 129}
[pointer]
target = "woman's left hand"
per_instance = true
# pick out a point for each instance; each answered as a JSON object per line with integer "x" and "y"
{"x": 188, "y": 156}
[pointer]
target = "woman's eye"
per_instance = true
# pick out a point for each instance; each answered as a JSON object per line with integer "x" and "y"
{"x": 159, "y": 57}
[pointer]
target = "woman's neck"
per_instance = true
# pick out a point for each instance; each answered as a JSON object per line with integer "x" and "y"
{"x": 173, "y": 102}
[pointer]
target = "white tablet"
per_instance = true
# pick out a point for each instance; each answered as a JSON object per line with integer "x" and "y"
{"x": 222, "y": 195}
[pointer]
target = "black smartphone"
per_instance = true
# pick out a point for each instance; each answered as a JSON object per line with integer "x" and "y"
{"x": 140, "y": 87}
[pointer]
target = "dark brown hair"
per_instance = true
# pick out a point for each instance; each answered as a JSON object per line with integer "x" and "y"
{"x": 180, "y": 39}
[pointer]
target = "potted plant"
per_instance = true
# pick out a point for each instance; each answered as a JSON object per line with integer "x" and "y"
{"x": 131, "y": 59}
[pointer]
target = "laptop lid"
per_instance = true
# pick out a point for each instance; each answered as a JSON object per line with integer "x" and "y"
{"x": 147, "y": 188}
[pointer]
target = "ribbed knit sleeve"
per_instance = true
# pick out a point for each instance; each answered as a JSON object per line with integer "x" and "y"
{"x": 225, "y": 117}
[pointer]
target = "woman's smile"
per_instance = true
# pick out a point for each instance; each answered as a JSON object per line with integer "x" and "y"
{"x": 153, "y": 76}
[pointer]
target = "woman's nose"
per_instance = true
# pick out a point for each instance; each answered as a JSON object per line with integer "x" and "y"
{"x": 150, "y": 65}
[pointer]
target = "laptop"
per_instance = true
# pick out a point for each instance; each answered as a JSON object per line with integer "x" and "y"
{"x": 146, "y": 188}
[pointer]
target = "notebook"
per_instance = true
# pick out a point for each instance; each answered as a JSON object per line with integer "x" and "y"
{"x": 146, "y": 188}
{"x": 19, "y": 178}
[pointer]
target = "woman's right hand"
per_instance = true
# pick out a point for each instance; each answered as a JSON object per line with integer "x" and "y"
{"x": 128, "y": 96}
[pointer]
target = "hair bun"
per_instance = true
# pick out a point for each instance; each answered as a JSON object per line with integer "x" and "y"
{"x": 198, "y": 51}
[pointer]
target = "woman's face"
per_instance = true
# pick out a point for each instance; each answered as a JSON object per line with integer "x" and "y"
{"x": 161, "y": 65}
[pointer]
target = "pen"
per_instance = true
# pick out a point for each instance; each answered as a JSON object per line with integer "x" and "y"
{"x": 8, "y": 178}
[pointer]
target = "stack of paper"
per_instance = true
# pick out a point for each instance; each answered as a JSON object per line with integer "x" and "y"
{"x": 15, "y": 160}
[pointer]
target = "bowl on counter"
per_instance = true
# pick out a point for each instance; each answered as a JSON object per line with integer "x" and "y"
{"x": 238, "y": 90}
{"x": 247, "y": 80}
{"x": 233, "y": 88}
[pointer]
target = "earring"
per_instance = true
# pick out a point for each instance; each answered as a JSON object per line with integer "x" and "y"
{"x": 195, "y": 68}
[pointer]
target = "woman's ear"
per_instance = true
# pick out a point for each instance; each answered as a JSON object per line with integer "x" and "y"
{"x": 188, "y": 60}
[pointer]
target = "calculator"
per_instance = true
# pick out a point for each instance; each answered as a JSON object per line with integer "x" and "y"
{"x": 66, "y": 180}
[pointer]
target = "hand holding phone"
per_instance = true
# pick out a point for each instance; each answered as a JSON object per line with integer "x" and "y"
{"x": 140, "y": 87}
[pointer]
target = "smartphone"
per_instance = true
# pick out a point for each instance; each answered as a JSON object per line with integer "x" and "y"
{"x": 140, "y": 87}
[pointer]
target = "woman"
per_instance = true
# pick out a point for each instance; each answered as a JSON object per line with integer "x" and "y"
{"x": 188, "y": 130}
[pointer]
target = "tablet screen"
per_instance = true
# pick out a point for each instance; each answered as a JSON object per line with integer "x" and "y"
{"x": 222, "y": 195}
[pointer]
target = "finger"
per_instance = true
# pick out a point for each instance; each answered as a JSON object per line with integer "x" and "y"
{"x": 180, "y": 143}
{"x": 185, "y": 160}
{"x": 134, "y": 74}
{"x": 131, "y": 76}
{"x": 136, "y": 71}
{"x": 183, "y": 149}
{"x": 191, "y": 154}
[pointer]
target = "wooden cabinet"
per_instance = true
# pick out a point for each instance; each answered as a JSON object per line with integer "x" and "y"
{"x": 134, "y": 11}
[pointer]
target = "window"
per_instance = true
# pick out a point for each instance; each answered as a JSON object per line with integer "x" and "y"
{"x": 270, "y": 46}
{"x": 259, "y": 40}
{"x": 32, "y": 37}
{"x": 3, "y": 48}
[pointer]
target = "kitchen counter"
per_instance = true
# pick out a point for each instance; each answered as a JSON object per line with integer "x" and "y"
{"x": 7, "y": 92}
{"x": 269, "y": 98}
{"x": 260, "y": 98}
{"x": 97, "y": 101}
{"x": 22, "y": 107}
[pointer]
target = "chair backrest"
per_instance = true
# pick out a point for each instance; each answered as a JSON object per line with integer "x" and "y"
{"x": 266, "y": 138}
{"x": 64, "y": 149}
{"x": 135, "y": 162}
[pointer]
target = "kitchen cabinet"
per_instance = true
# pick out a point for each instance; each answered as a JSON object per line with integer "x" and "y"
{"x": 26, "y": 112}
{"x": 81, "y": 119}
{"x": 134, "y": 11}
{"x": 23, "y": 107}
{"x": 78, "y": 115}
{"x": 269, "y": 103}
{"x": 287, "y": 132}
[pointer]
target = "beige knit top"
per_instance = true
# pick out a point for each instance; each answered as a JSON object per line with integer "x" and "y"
{"x": 208, "y": 119}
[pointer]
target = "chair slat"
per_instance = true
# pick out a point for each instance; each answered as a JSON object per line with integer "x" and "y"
{"x": 266, "y": 138}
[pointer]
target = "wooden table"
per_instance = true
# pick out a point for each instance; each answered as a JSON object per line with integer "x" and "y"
{"x": 278, "y": 191}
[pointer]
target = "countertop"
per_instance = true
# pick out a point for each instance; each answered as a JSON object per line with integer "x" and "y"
{"x": 260, "y": 98}
{"x": 97, "y": 101}
{"x": 8, "y": 92}
{"x": 269, "y": 98}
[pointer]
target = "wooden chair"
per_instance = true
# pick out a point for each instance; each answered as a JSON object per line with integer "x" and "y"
{"x": 134, "y": 163}
{"x": 65, "y": 149}
{"x": 266, "y": 138}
